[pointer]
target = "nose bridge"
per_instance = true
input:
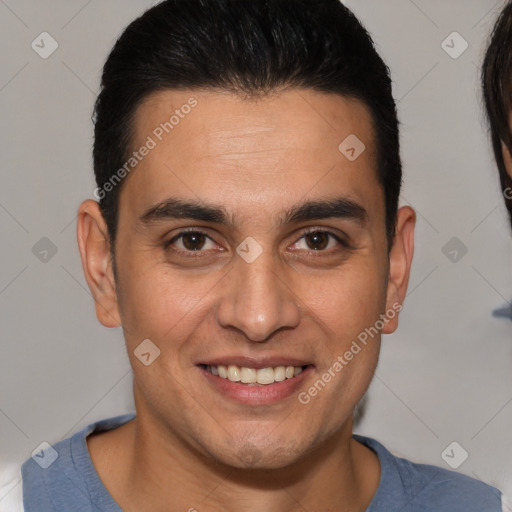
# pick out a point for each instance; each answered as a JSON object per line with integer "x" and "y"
{"x": 257, "y": 302}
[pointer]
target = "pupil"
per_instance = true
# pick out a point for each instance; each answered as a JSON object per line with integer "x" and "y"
{"x": 318, "y": 239}
{"x": 192, "y": 240}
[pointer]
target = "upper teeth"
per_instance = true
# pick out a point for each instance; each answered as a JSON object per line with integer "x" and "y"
{"x": 252, "y": 375}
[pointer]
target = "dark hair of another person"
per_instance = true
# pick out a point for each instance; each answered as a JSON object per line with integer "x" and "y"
{"x": 249, "y": 48}
{"x": 497, "y": 88}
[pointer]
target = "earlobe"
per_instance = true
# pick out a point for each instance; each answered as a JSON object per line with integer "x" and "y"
{"x": 400, "y": 260}
{"x": 94, "y": 246}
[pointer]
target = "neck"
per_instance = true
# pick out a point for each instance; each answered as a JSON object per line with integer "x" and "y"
{"x": 159, "y": 470}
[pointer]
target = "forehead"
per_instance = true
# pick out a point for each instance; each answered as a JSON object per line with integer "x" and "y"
{"x": 221, "y": 148}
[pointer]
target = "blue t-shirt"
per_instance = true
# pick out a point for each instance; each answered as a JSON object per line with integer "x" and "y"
{"x": 62, "y": 478}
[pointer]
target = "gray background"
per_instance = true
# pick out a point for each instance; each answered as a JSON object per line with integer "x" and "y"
{"x": 445, "y": 376}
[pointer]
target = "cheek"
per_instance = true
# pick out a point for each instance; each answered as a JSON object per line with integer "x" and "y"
{"x": 164, "y": 305}
{"x": 153, "y": 303}
{"x": 350, "y": 300}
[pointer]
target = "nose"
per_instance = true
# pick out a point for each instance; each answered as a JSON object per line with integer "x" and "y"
{"x": 257, "y": 300}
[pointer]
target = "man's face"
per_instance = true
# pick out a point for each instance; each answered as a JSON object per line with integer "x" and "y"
{"x": 199, "y": 289}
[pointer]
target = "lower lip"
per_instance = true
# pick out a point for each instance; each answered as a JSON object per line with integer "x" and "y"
{"x": 257, "y": 395}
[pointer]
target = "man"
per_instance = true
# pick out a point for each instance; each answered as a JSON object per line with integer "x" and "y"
{"x": 248, "y": 240}
{"x": 496, "y": 76}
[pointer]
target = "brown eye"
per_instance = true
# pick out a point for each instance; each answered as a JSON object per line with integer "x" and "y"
{"x": 193, "y": 241}
{"x": 190, "y": 241}
{"x": 318, "y": 240}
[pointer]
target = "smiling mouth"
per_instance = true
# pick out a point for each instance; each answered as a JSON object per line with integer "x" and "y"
{"x": 252, "y": 376}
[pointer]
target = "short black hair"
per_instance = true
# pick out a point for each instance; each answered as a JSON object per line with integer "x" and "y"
{"x": 497, "y": 89}
{"x": 248, "y": 47}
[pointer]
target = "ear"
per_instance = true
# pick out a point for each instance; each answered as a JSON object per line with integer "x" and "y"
{"x": 400, "y": 260}
{"x": 94, "y": 245}
{"x": 507, "y": 158}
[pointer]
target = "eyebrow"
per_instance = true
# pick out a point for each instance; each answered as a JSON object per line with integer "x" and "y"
{"x": 172, "y": 208}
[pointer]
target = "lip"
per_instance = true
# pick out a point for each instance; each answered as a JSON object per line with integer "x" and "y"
{"x": 256, "y": 395}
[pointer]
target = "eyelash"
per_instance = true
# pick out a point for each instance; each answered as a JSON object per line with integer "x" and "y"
{"x": 195, "y": 254}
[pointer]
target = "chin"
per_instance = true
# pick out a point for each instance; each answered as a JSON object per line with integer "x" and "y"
{"x": 258, "y": 453}
{"x": 252, "y": 457}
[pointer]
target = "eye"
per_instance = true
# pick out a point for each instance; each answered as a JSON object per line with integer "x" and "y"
{"x": 191, "y": 241}
{"x": 319, "y": 241}
{"x": 196, "y": 241}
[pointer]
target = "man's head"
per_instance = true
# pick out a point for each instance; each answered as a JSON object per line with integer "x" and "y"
{"x": 497, "y": 87}
{"x": 257, "y": 227}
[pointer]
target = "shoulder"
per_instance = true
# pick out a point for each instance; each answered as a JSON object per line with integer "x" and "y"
{"x": 62, "y": 475}
{"x": 426, "y": 488}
